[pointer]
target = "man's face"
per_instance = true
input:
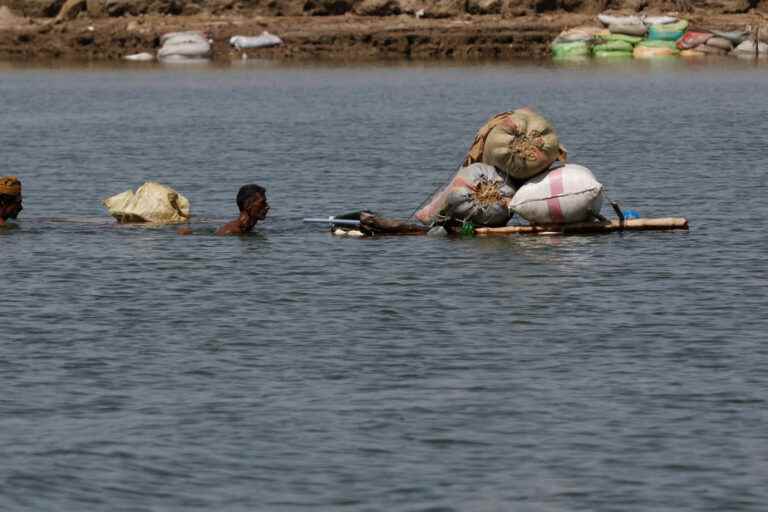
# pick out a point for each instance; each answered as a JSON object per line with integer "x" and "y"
{"x": 258, "y": 207}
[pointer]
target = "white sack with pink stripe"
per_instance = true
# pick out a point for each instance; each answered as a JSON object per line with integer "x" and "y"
{"x": 569, "y": 193}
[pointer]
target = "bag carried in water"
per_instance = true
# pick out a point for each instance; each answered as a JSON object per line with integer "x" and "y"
{"x": 561, "y": 195}
{"x": 152, "y": 202}
{"x": 520, "y": 143}
{"x": 476, "y": 194}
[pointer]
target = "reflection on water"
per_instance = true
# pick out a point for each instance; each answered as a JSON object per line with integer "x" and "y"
{"x": 292, "y": 369}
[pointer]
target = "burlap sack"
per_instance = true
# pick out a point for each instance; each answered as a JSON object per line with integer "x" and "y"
{"x": 152, "y": 202}
{"x": 476, "y": 194}
{"x": 520, "y": 143}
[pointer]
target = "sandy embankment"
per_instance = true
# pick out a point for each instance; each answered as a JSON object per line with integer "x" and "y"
{"x": 341, "y": 38}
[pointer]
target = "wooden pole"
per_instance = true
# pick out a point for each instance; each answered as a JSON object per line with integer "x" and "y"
{"x": 661, "y": 224}
{"x": 757, "y": 42}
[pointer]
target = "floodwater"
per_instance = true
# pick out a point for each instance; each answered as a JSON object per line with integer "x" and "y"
{"x": 292, "y": 370}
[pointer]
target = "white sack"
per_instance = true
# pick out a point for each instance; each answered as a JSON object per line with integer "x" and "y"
{"x": 559, "y": 196}
{"x": 142, "y": 57}
{"x": 610, "y": 19}
{"x": 198, "y": 50}
{"x": 264, "y": 40}
{"x": 152, "y": 202}
{"x": 176, "y": 37}
{"x": 659, "y": 20}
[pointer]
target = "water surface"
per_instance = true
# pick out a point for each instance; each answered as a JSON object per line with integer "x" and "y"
{"x": 291, "y": 370}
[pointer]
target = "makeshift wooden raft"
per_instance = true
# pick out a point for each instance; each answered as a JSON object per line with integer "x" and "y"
{"x": 369, "y": 224}
{"x": 660, "y": 224}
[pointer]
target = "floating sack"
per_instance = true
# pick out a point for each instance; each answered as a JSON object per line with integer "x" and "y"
{"x": 667, "y": 32}
{"x": 570, "y": 50}
{"x": 152, "y": 202}
{"x": 264, "y": 40}
{"x": 653, "y": 49}
{"x": 734, "y": 36}
{"x": 720, "y": 42}
{"x": 633, "y": 40}
{"x": 630, "y": 29}
{"x": 565, "y": 194}
{"x": 610, "y": 19}
{"x": 520, "y": 143}
{"x": 693, "y": 39}
{"x": 477, "y": 194}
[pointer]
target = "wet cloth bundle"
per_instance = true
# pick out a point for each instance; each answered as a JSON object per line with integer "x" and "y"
{"x": 152, "y": 202}
{"x": 10, "y": 186}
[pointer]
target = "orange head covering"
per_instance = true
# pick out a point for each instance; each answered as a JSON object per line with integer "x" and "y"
{"x": 10, "y": 185}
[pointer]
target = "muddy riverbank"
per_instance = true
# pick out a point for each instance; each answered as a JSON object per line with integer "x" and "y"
{"x": 344, "y": 37}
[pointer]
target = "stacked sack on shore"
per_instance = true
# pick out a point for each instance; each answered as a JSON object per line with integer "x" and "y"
{"x": 706, "y": 43}
{"x": 646, "y": 37}
{"x": 184, "y": 47}
{"x": 575, "y": 42}
{"x": 515, "y": 165}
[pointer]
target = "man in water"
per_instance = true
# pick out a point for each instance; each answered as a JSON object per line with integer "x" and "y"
{"x": 252, "y": 202}
{"x": 10, "y": 198}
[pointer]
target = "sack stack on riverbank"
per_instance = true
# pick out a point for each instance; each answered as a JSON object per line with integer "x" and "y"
{"x": 184, "y": 47}
{"x": 515, "y": 165}
{"x": 648, "y": 37}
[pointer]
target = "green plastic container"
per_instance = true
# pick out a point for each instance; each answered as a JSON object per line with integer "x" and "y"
{"x": 570, "y": 50}
{"x": 668, "y": 32}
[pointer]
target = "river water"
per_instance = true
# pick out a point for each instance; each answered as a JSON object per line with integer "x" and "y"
{"x": 293, "y": 370}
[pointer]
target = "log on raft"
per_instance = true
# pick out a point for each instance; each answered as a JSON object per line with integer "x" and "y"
{"x": 661, "y": 224}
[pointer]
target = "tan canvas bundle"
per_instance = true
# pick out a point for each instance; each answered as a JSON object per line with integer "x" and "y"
{"x": 520, "y": 143}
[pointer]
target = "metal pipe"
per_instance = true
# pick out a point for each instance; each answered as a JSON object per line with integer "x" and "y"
{"x": 333, "y": 221}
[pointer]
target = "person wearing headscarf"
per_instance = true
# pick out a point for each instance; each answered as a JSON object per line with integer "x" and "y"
{"x": 253, "y": 206}
{"x": 10, "y": 198}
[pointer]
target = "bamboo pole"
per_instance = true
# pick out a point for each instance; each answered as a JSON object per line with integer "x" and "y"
{"x": 660, "y": 224}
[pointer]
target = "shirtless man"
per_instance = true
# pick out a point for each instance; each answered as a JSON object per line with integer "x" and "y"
{"x": 252, "y": 202}
{"x": 10, "y": 198}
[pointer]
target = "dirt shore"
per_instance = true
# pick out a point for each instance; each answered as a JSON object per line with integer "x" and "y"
{"x": 338, "y": 38}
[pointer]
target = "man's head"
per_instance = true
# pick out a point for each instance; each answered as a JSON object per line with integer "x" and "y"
{"x": 10, "y": 197}
{"x": 252, "y": 201}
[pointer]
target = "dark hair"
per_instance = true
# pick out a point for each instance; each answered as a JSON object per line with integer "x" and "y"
{"x": 247, "y": 192}
{"x": 6, "y": 199}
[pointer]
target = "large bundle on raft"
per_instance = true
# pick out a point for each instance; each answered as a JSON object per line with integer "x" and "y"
{"x": 514, "y": 167}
